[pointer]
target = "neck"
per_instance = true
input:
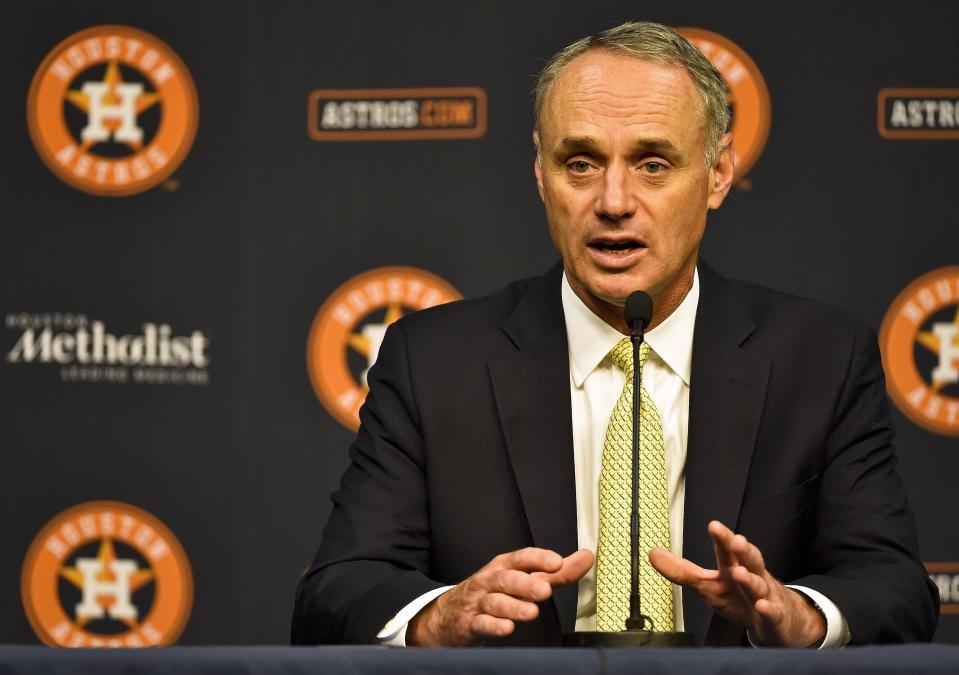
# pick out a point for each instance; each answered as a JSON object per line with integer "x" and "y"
{"x": 664, "y": 303}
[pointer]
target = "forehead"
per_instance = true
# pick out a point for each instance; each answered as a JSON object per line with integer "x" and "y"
{"x": 604, "y": 93}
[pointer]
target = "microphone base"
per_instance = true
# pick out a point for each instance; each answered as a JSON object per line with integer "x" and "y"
{"x": 628, "y": 638}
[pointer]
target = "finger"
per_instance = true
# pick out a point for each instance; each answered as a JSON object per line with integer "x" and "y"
{"x": 749, "y": 555}
{"x": 575, "y": 566}
{"x": 722, "y": 538}
{"x": 517, "y": 584}
{"x": 679, "y": 570}
{"x": 770, "y": 613}
{"x": 753, "y": 586}
{"x": 739, "y": 548}
{"x": 484, "y": 625}
{"x": 530, "y": 560}
{"x": 503, "y": 606}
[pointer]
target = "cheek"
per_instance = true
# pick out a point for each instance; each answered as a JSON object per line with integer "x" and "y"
{"x": 560, "y": 203}
{"x": 681, "y": 217}
{"x": 555, "y": 234}
{"x": 562, "y": 218}
{"x": 565, "y": 240}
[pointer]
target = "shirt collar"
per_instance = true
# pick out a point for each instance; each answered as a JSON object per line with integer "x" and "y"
{"x": 590, "y": 338}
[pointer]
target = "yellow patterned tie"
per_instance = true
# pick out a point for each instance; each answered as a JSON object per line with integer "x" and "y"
{"x": 615, "y": 504}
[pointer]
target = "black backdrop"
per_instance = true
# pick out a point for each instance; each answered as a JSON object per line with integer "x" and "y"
{"x": 261, "y": 224}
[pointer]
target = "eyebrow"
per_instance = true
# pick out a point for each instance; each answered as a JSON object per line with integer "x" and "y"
{"x": 574, "y": 144}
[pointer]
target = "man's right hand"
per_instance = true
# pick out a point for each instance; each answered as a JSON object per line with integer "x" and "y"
{"x": 489, "y": 603}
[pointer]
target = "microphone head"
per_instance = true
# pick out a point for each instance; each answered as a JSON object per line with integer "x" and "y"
{"x": 638, "y": 309}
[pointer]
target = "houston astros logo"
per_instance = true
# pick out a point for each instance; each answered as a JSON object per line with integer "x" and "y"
{"x": 106, "y": 574}
{"x": 347, "y": 332}
{"x": 112, "y": 111}
{"x": 919, "y": 339}
{"x": 750, "y": 97}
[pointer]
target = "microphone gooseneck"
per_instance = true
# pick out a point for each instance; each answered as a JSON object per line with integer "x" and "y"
{"x": 637, "y": 312}
{"x": 640, "y": 631}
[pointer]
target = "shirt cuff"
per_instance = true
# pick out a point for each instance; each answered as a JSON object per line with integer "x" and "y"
{"x": 394, "y": 632}
{"x": 837, "y": 630}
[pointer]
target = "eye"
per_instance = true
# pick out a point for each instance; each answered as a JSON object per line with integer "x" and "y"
{"x": 579, "y": 166}
{"x": 654, "y": 167}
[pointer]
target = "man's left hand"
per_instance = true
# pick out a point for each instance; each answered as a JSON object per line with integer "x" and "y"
{"x": 741, "y": 589}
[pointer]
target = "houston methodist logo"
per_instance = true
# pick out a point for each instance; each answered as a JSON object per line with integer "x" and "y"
{"x": 85, "y": 351}
{"x": 918, "y": 113}
{"x": 112, "y": 111}
{"x": 396, "y": 114}
{"x": 347, "y": 332}
{"x": 919, "y": 339}
{"x": 752, "y": 110}
{"x": 106, "y": 574}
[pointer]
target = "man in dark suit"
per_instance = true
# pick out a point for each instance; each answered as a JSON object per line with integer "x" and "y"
{"x": 472, "y": 475}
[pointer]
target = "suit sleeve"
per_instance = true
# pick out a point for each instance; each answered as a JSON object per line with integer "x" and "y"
{"x": 376, "y": 545}
{"x": 864, "y": 553}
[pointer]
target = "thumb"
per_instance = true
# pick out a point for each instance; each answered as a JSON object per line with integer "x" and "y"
{"x": 574, "y": 567}
{"x": 677, "y": 570}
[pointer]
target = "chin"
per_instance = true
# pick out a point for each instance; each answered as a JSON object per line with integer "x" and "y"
{"x": 617, "y": 290}
{"x": 612, "y": 294}
{"x": 610, "y": 288}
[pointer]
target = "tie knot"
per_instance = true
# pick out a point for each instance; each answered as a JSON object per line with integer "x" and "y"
{"x": 622, "y": 356}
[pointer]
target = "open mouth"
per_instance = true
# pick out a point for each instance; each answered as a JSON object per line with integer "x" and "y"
{"x": 615, "y": 246}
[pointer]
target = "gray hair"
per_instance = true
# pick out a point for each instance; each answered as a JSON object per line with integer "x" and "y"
{"x": 654, "y": 43}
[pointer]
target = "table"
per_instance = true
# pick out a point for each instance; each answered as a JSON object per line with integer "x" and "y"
{"x": 362, "y": 660}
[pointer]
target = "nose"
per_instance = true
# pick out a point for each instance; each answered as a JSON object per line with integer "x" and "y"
{"x": 616, "y": 201}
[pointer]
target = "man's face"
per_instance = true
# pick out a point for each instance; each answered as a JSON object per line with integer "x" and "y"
{"x": 622, "y": 175}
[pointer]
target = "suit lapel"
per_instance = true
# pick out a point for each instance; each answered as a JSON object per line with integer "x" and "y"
{"x": 531, "y": 388}
{"x": 727, "y": 393}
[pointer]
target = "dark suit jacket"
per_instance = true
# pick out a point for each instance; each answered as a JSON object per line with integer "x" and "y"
{"x": 465, "y": 451}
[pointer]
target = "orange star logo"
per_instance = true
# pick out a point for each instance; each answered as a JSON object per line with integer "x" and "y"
{"x": 343, "y": 326}
{"x": 367, "y": 342}
{"x": 107, "y": 582}
{"x": 140, "y": 74}
{"x": 937, "y": 346}
{"x": 105, "y": 556}
{"x": 927, "y": 396}
{"x": 113, "y": 77}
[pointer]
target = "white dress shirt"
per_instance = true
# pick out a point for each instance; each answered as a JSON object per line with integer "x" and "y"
{"x": 595, "y": 385}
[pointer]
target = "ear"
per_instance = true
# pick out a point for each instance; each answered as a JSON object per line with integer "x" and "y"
{"x": 538, "y": 164}
{"x": 721, "y": 173}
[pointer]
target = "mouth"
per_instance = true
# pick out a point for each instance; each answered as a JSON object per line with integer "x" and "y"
{"x": 618, "y": 253}
{"x": 616, "y": 245}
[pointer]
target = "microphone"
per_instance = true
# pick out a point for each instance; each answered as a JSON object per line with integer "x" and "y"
{"x": 637, "y": 312}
